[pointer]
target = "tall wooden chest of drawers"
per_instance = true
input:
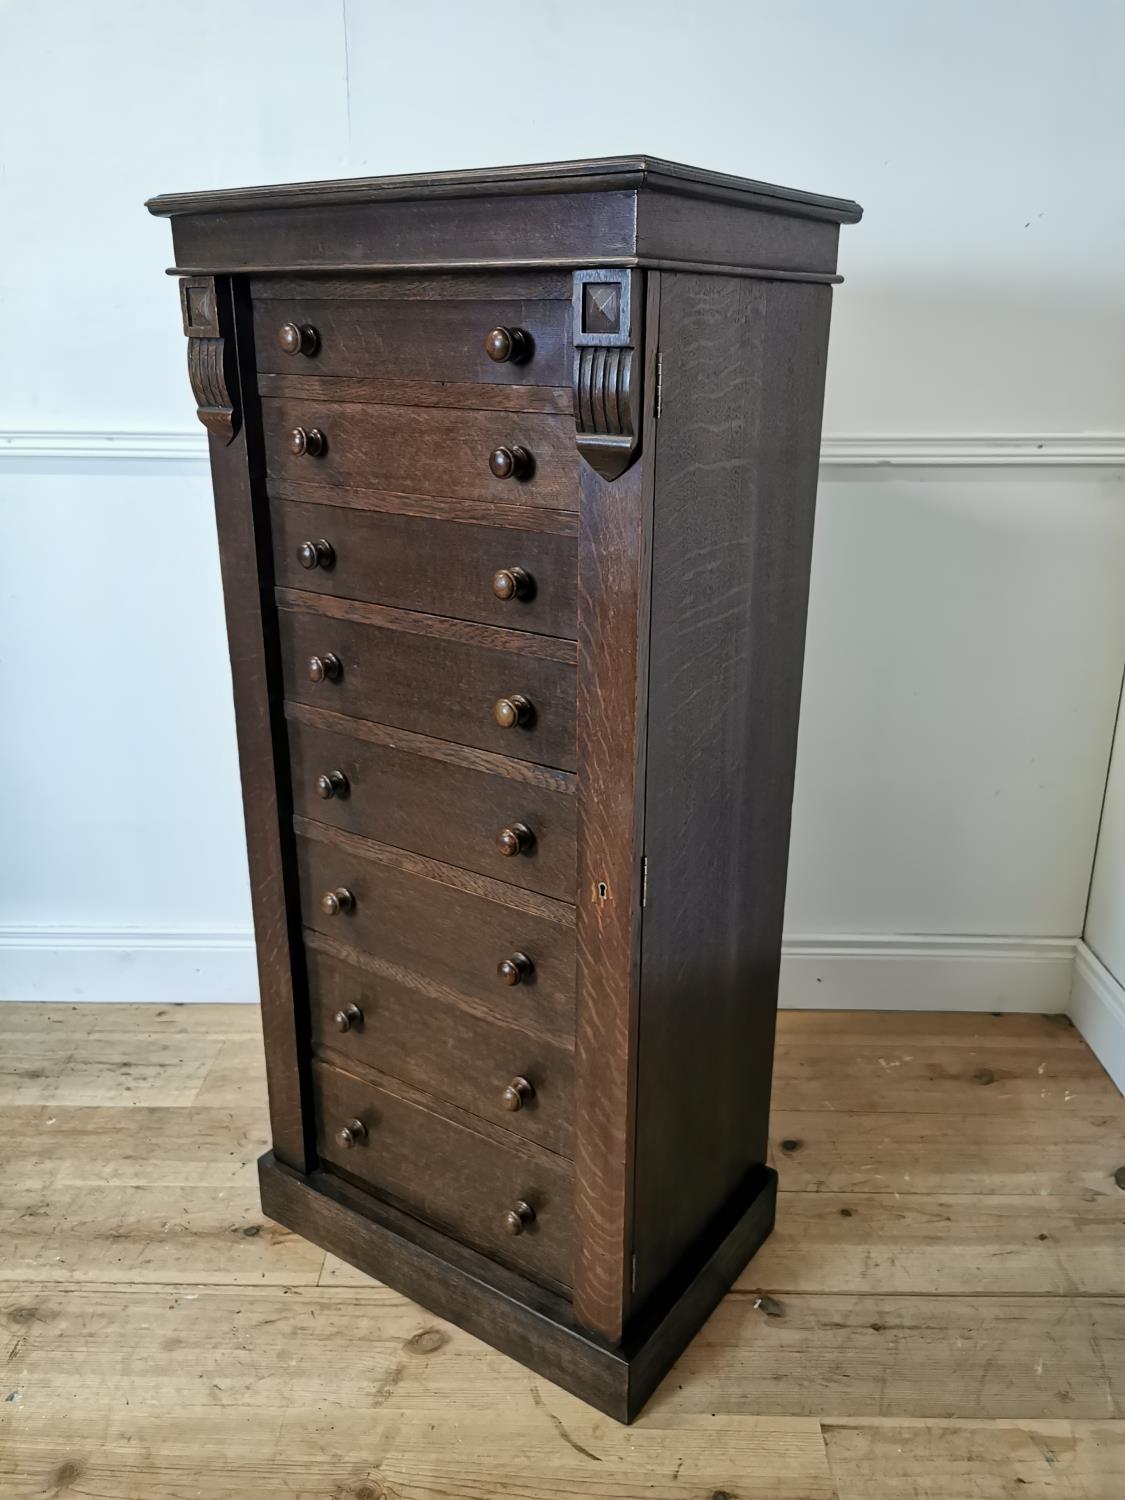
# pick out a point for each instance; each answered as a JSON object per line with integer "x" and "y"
{"x": 515, "y": 474}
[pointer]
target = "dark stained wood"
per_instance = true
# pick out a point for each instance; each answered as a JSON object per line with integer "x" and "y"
{"x": 736, "y": 458}
{"x": 543, "y": 286}
{"x": 506, "y": 1310}
{"x": 613, "y": 585}
{"x": 468, "y": 1059}
{"x": 456, "y": 935}
{"x": 448, "y": 1175}
{"x": 519, "y": 751}
{"x": 425, "y": 450}
{"x": 468, "y": 512}
{"x": 242, "y": 517}
{"x": 596, "y": 174}
{"x": 439, "y": 567}
{"x": 433, "y": 684}
{"x": 452, "y": 393}
{"x": 433, "y": 806}
{"x": 412, "y": 340}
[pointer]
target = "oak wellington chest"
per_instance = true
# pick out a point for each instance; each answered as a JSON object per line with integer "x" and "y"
{"x": 515, "y": 474}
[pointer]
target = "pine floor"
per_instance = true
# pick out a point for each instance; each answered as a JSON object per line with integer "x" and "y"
{"x": 940, "y": 1314}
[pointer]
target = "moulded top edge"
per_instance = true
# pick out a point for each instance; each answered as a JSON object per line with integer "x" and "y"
{"x": 599, "y": 174}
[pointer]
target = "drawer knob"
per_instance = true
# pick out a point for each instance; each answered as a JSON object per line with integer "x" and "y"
{"x": 298, "y": 338}
{"x": 350, "y": 1016}
{"x": 326, "y": 668}
{"x": 513, "y": 711}
{"x": 517, "y": 1219}
{"x": 320, "y": 554}
{"x": 332, "y": 784}
{"x": 508, "y": 345}
{"x": 332, "y": 903}
{"x": 515, "y": 969}
{"x": 351, "y": 1134}
{"x": 510, "y": 463}
{"x": 307, "y": 440}
{"x": 517, "y": 838}
{"x": 518, "y": 1093}
{"x": 512, "y": 583}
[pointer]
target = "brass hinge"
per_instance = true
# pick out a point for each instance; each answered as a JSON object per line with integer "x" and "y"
{"x": 644, "y": 879}
{"x": 659, "y": 382}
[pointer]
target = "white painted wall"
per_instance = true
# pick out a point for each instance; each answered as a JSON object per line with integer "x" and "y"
{"x": 967, "y": 627}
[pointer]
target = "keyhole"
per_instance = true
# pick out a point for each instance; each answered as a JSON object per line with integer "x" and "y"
{"x": 603, "y": 891}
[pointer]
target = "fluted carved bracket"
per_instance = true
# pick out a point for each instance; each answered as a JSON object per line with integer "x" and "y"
{"x": 608, "y": 355}
{"x": 207, "y": 356}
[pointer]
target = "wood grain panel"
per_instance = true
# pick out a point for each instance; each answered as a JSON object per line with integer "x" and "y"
{"x": 441, "y": 687}
{"x": 613, "y": 591}
{"x": 459, "y": 394}
{"x": 455, "y": 936}
{"x": 416, "y": 340}
{"x": 468, "y": 1059}
{"x": 438, "y": 567}
{"x": 424, "y": 450}
{"x": 448, "y": 1175}
{"x": 428, "y": 804}
{"x": 441, "y": 507}
{"x": 737, "y": 453}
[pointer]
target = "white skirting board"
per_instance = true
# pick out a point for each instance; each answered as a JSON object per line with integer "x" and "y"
{"x": 1097, "y": 1008}
{"x": 817, "y": 973}
{"x": 872, "y": 972}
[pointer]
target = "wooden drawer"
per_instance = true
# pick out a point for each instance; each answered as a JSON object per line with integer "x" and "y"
{"x": 443, "y": 925}
{"x": 441, "y": 1046}
{"x": 449, "y": 1175}
{"x": 424, "y": 450}
{"x": 437, "y": 799}
{"x": 414, "y": 340}
{"x": 439, "y": 567}
{"x": 433, "y": 676}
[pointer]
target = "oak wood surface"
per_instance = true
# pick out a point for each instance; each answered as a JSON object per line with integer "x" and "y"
{"x": 450, "y": 1176}
{"x": 737, "y": 450}
{"x": 457, "y": 937}
{"x": 460, "y": 394}
{"x": 423, "y": 450}
{"x": 435, "y": 340}
{"x": 433, "y": 683}
{"x": 166, "y": 1340}
{"x": 449, "y": 1050}
{"x": 437, "y": 567}
{"x": 442, "y": 507}
{"x": 434, "y": 806}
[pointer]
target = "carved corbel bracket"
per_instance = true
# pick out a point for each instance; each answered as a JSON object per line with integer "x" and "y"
{"x": 608, "y": 358}
{"x": 207, "y": 356}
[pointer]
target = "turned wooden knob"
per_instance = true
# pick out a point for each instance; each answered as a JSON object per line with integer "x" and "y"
{"x": 517, "y": 1219}
{"x": 326, "y": 668}
{"x": 515, "y": 969}
{"x": 332, "y": 903}
{"x": 351, "y": 1134}
{"x": 319, "y": 554}
{"x": 298, "y": 338}
{"x": 508, "y": 345}
{"x": 510, "y": 712}
{"x": 350, "y": 1016}
{"x": 332, "y": 784}
{"x": 518, "y": 1093}
{"x": 307, "y": 440}
{"x": 512, "y": 583}
{"x": 517, "y": 838}
{"x": 510, "y": 463}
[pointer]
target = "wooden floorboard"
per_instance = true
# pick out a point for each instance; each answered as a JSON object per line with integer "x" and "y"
{"x": 940, "y": 1314}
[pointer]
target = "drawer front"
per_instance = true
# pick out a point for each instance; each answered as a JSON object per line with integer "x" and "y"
{"x": 433, "y": 685}
{"x": 449, "y": 936}
{"x": 461, "y": 1182}
{"x": 524, "y": 580}
{"x": 468, "y": 1059}
{"x": 414, "y": 340}
{"x": 437, "y": 807}
{"x": 423, "y": 450}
